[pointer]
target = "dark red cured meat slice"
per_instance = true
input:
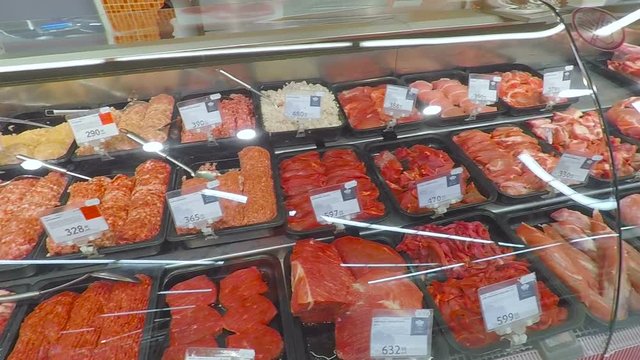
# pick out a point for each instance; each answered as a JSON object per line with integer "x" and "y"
{"x": 255, "y": 309}
{"x": 241, "y": 284}
{"x": 393, "y": 294}
{"x": 321, "y": 286}
{"x": 353, "y": 334}
{"x": 177, "y": 352}
{"x": 193, "y": 324}
{"x": 265, "y": 341}
{"x": 197, "y": 291}
{"x": 355, "y": 250}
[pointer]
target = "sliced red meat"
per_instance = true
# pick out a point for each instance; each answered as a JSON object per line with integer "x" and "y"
{"x": 189, "y": 325}
{"x": 353, "y": 334}
{"x": 177, "y": 352}
{"x": 393, "y": 294}
{"x": 255, "y": 309}
{"x": 265, "y": 341}
{"x": 355, "y": 250}
{"x": 195, "y": 291}
{"x": 421, "y": 85}
{"x": 241, "y": 284}
{"x": 320, "y": 286}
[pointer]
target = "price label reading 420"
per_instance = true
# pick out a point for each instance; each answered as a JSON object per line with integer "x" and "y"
{"x": 336, "y": 201}
{"x": 483, "y": 88}
{"x": 401, "y": 334}
{"x": 75, "y": 226}
{"x": 399, "y": 101}
{"x": 573, "y": 168}
{"x": 194, "y": 209}
{"x": 200, "y": 112}
{"x": 510, "y": 301}
{"x": 303, "y": 106}
{"x": 93, "y": 126}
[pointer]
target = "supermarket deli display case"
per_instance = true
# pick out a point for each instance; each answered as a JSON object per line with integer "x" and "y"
{"x": 295, "y": 180}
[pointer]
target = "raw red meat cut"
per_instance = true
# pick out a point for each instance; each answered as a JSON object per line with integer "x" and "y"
{"x": 177, "y": 352}
{"x": 630, "y": 210}
{"x": 451, "y": 96}
{"x": 195, "y": 291}
{"x": 522, "y": 89}
{"x": 355, "y": 250}
{"x": 236, "y": 112}
{"x": 192, "y": 324}
{"x": 393, "y": 294}
{"x": 321, "y": 288}
{"x": 255, "y": 309}
{"x": 265, "y": 341}
{"x": 353, "y": 334}
{"x": 626, "y": 61}
{"x": 626, "y": 117}
{"x": 240, "y": 285}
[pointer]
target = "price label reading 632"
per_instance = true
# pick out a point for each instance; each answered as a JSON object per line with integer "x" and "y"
{"x": 394, "y": 350}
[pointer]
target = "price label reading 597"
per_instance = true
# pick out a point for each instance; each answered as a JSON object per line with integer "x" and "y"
{"x": 335, "y": 201}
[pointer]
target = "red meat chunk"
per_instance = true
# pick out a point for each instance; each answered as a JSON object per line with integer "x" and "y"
{"x": 354, "y": 250}
{"x": 241, "y": 284}
{"x": 189, "y": 325}
{"x": 265, "y": 341}
{"x": 353, "y": 334}
{"x": 255, "y": 309}
{"x": 195, "y": 291}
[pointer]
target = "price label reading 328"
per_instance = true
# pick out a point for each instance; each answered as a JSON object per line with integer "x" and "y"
{"x": 75, "y": 225}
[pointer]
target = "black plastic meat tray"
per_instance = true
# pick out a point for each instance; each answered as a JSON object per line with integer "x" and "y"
{"x": 469, "y": 163}
{"x": 542, "y": 216}
{"x": 196, "y": 146}
{"x": 126, "y": 154}
{"x": 600, "y": 66}
{"x": 227, "y": 161}
{"x": 630, "y": 233}
{"x": 388, "y": 80}
{"x": 497, "y": 233}
{"x": 439, "y": 120}
{"x": 48, "y": 283}
{"x": 318, "y": 340}
{"x": 19, "y": 312}
{"x": 318, "y": 136}
{"x": 483, "y": 184}
{"x": 520, "y": 111}
{"x": 129, "y": 251}
{"x": 271, "y": 271}
{"x": 328, "y": 230}
{"x": 40, "y": 118}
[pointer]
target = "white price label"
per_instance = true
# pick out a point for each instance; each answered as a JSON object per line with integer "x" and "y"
{"x": 574, "y": 168}
{"x": 555, "y": 81}
{"x": 219, "y": 354}
{"x": 510, "y": 301}
{"x": 195, "y": 209}
{"x": 483, "y": 89}
{"x": 443, "y": 189}
{"x": 303, "y": 106}
{"x": 336, "y": 203}
{"x": 76, "y": 225}
{"x": 636, "y": 105}
{"x": 93, "y": 127}
{"x": 201, "y": 112}
{"x": 402, "y": 336}
{"x": 399, "y": 100}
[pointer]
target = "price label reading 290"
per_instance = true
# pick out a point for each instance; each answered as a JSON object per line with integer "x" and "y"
{"x": 94, "y": 126}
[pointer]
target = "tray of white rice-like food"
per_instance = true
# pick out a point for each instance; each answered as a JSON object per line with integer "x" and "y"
{"x": 300, "y": 112}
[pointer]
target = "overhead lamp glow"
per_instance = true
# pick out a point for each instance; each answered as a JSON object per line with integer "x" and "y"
{"x": 50, "y": 65}
{"x": 618, "y": 24}
{"x": 152, "y": 146}
{"x": 432, "y": 110}
{"x": 246, "y": 134}
{"x": 31, "y": 164}
{"x": 572, "y": 93}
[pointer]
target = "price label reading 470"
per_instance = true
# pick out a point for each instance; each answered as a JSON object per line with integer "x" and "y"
{"x": 445, "y": 189}
{"x": 336, "y": 201}
{"x": 75, "y": 226}
{"x": 93, "y": 126}
{"x": 510, "y": 301}
{"x": 401, "y": 334}
{"x": 399, "y": 101}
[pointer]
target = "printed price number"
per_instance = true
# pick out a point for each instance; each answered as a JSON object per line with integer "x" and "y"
{"x": 574, "y": 168}
{"x": 94, "y": 133}
{"x": 97, "y": 125}
{"x": 556, "y": 80}
{"x": 196, "y": 208}
{"x": 332, "y": 202}
{"x": 394, "y": 350}
{"x": 510, "y": 301}
{"x": 401, "y": 333}
{"x": 75, "y": 225}
{"x": 76, "y": 230}
{"x": 442, "y": 189}
{"x": 200, "y": 112}
{"x": 505, "y": 318}
{"x": 303, "y": 106}
{"x": 193, "y": 218}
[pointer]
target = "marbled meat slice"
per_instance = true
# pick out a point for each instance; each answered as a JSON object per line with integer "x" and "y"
{"x": 194, "y": 323}
{"x": 320, "y": 285}
{"x": 199, "y": 290}
{"x": 355, "y": 250}
{"x": 233, "y": 211}
{"x": 241, "y": 284}
{"x": 177, "y": 352}
{"x": 265, "y": 341}
{"x": 255, "y": 309}
{"x": 255, "y": 163}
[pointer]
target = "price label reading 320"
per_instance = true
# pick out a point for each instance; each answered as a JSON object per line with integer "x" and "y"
{"x": 483, "y": 88}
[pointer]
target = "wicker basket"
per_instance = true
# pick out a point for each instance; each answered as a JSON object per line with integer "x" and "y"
{"x": 133, "y": 20}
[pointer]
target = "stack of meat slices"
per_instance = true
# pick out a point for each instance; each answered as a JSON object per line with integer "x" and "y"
{"x": 624, "y": 116}
{"x": 106, "y": 321}
{"x": 237, "y": 114}
{"x": 581, "y": 134}
{"x": 131, "y": 206}
{"x": 521, "y": 89}
{"x": 496, "y": 153}
{"x": 254, "y": 180}
{"x": 324, "y": 291}
{"x": 457, "y": 297}
{"x": 626, "y": 61}
{"x": 404, "y": 167}
{"x": 146, "y": 119}
{"x": 22, "y": 202}
{"x": 451, "y": 96}
{"x": 308, "y": 171}
{"x": 247, "y": 314}
{"x": 364, "y": 105}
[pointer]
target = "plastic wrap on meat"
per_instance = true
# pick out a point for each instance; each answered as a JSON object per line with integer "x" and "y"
{"x": 363, "y": 106}
{"x": 237, "y": 114}
{"x": 624, "y": 116}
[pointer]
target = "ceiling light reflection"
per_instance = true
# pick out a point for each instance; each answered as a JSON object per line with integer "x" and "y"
{"x": 226, "y": 195}
{"x": 618, "y": 24}
{"x": 432, "y": 110}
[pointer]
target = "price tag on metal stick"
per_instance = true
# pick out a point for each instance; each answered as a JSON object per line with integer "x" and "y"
{"x": 509, "y": 302}
{"x": 335, "y": 201}
{"x": 574, "y": 168}
{"x": 399, "y": 101}
{"x": 483, "y": 88}
{"x": 93, "y": 126}
{"x": 636, "y": 105}
{"x": 76, "y": 226}
{"x": 303, "y": 106}
{"x": 196, "y": 353}
{"x": 201, "y": 112}
{"x": 444, "y": 189}
{"x": 401, "y": 334}
{"x": 191, "y": 208}
{"x": 556, "y": 80}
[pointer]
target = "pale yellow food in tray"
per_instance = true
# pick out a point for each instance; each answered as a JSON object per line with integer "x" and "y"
{"x": 41, "y": 144}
